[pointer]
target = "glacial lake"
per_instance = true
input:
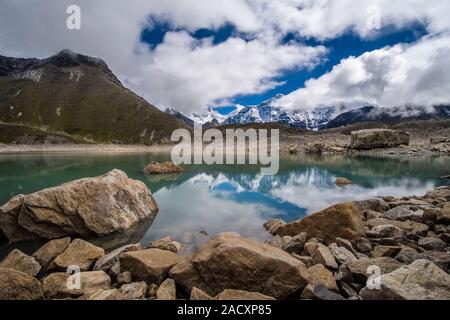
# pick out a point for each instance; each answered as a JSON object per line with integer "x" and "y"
{"x": 213, "y": 199}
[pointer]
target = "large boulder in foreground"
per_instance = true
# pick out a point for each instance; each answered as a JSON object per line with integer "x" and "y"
{"x": 421, "y": 280}
{"x": 231, "y": 262}
{"x": 340, "y": 221}
{"x": 378, "y": 138}
{"x": 16, "y": 285}
{"x": 87, "y": 207}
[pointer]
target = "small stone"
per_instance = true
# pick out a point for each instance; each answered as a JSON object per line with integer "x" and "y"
{"x": 105, "y": 295}
{"x": 151, "y": 291}
{"x": 346, "y": 244}
{"x": 197, "y": 294}
{"x": 296, "y": 244}
{"x": 323, "y": 255}
{"x": 167, "y": 290}
{"x": 307, "y": 261}
{"x": 363, "y": 245}
{"x": 384, "y": 231}
{"x": 317, "y": 275}
{"x": 340, "y": 182}
{"x": 19, "y": 261}
{"x": 440, "y": 228}
{"x": 341, "y": 254}
{"x": 79, "y": 253}
{"x": 167, "y": 244}
{"x": 134, "y": 291}
{"x": 431, "y": 243}
{"x": 49, "y": 251}
{"x": 361, "y": 269}
{"x": 229, "y": 294}
{"x": 385, "y": 251}
{"x": 124, "y": 278}
{"x": 321, "y": 292}
{"x": 310, "y": 247}
{"x": 105, "y": 263}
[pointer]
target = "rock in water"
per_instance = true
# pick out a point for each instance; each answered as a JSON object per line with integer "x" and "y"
{"x": 231, "y": 262}
{"x": 378, "y": 138}
{"x": 16, "y": 285}
{"x": 341, "y": 182}
{"x": 421, "y": 280}
{"x": 340, "y": 221}
{"x": 86, "y": 207}
{"x": 163, "y": 168}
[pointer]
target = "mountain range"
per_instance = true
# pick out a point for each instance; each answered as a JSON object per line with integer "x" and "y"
{"x": 316, "y": 119}
{"x": 70, "y": 97}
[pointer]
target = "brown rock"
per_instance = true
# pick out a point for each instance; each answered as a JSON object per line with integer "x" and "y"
{"x": 16, "y": 285}
{"x": 408, "y": 226}
{"x": 229, "y": 295}
{"x": 134, "y": 291}
{"x": 340, "y": 182}
{"x": 105, "y": 295}
{"x": 318, "y": 274}
{"x": 197, "y": 294}
{"x": 79, "y": 253}
{"x": 167, "y": 290}
{"x": 359, "y": 269}
{"x": 378, "y": 138}
{"x": 342, "y": 220}
{"x": 86, "y": 207}
{"x": 376, "y": 204}
{"x": 324, "y": 256}
{"x": 62, "y": 285}
{"x": 166, "y": 244}
{"x": 231, "y": 262}
{"x": 150, "y": 265}
{"x": 163, "y": 168}
{"x": 49, "y": 251}
{"x": 124, "y": 278}
{"x": 19, "y": 261}
{"x": 385, "y": 251}
{"x": 271, "y": 226}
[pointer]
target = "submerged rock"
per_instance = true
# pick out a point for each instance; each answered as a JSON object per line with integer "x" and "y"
{"x": 231, "y": 262}
{"x": 86, "y": 207}
{"x": 340, "y": 182}
{"x": 378, "y": 138}
{"x": 163, "y": 168}
{"x": 340, "y": 221}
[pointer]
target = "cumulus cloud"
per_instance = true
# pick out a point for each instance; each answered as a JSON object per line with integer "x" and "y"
{"x": 188, "y": 74}
{"x": 401, "y": 75}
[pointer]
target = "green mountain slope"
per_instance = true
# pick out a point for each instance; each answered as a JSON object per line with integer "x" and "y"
{"x": 78, "y": 98}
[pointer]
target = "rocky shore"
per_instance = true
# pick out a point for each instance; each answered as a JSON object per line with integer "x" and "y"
{"x": 384, "y": 248}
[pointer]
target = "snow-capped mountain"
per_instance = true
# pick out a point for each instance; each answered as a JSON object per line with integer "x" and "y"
{"x": 316, "y": 119}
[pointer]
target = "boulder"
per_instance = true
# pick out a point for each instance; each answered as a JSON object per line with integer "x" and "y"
{"x": 346, "y": 244}
{"x": 385, "y": 231}
{"x": 403, "y": 213}
{"x": 61, "y": 285}
{"x": 385, "y": 251}
{"x": 150, "y": 265}
{"x": 317, "y": 275}
{"x": 359, "y": 269}
{"x": 307, "y": 261}
{"x": 363, "y": 245}
{"x": 324, "y": 256}
{"x": 16, "y": 285}
{"x": 167, "y": 290}
{"x": 79, "y": 253}
{"x": 197, "y": 294}
{"x": 378, "y": 138}
{"x": 295, "y": 245}
{"x": 421, "y": 280}
{"x": 230, "y": 294}
{"x": 341, "y": 182}
{"x": 407, "y": 226}
{"x": 231, "y": 262}
{"x": 341, "y": 254}
{"x": 49, "y": 251}
{"x": 19, "y": 261}
{"x": 342, "y": 220}
{"x": 134, "y": 291}
{"x": 432, "y": 243}
{"x": 376, "y": 204}
{"x": 88, "y": 207}
{"x": 163, "y": 168}
{"x": 108, "y": 261}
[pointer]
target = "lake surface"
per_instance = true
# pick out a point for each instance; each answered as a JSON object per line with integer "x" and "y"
{"x": 214, "y": 199}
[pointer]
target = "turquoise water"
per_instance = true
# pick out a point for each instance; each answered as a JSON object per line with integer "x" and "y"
{"x": 227, "y": 198}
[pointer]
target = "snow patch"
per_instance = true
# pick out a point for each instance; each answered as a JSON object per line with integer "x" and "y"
{"x": 33, "y": 75}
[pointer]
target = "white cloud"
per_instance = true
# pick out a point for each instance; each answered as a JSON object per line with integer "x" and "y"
{"x": 413, "y": 74}
{"x": 188, "y": 74}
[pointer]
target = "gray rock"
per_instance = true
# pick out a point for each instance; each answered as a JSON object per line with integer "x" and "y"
{"x": 385, "y": 251}
{"x": 296, "y": 244}
{"x": 346, "y": 244}
{"x": 324, "y": 256}
{"x": 360, "y": 269}
{"x": 384, "y": 231}
{"x": 363, "y": 245}
{"x": 431, "y": 243}
{"x": 403, "y": 213}
{"x": 341, "y": 254}
{"x": 376, "y": 204}
{"x": 124, "y": 278}
{"x": 134, "y": 291}
{"x": 421, "y": 280}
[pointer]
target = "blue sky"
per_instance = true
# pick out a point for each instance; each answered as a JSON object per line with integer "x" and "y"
{"x": 344, "y": 46}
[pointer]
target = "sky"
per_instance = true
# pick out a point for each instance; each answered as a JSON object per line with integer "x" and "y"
{"x": 190, "y": 54}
